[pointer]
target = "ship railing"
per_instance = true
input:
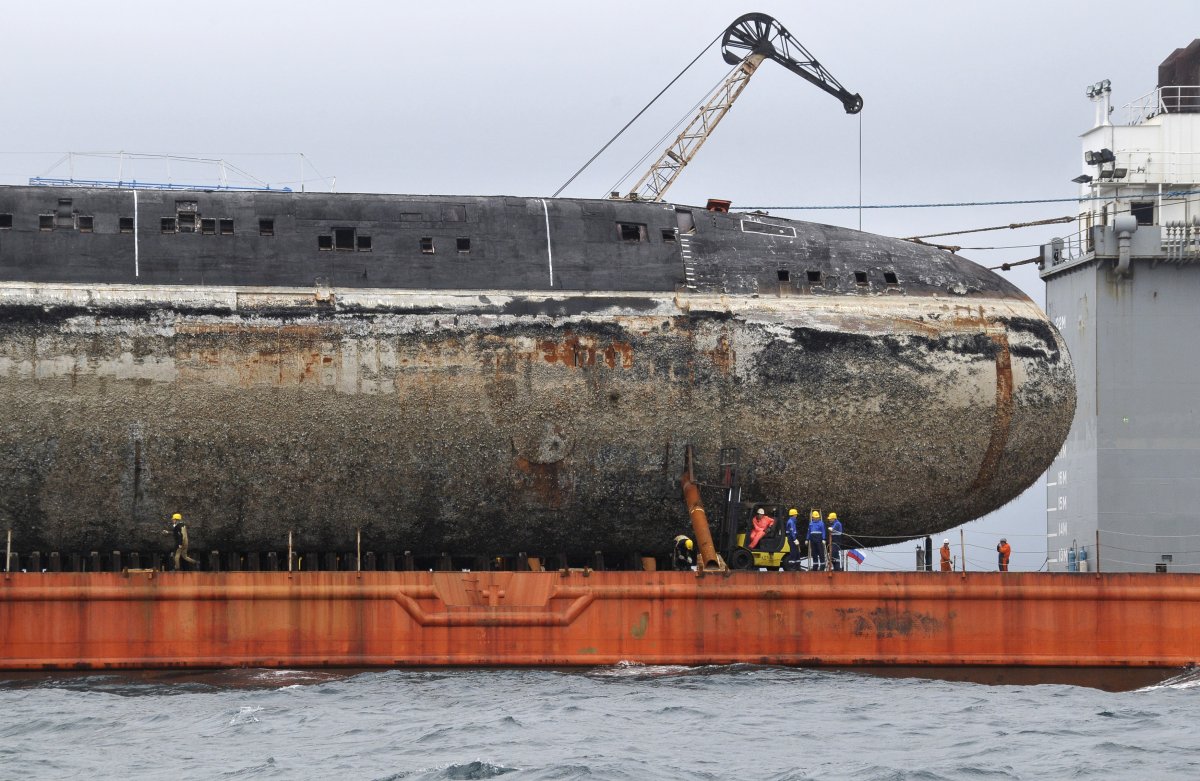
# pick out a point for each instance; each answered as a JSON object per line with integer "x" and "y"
{"x": 1177, "y": 168}
{"x": 116, "y": 184}
{"x": 1181, "y": 241}
{"x": 1163, "y": 100}
{"x": 1066, "y": 249}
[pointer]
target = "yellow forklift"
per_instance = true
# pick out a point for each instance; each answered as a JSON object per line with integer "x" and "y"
{"x": 773, "y": 549}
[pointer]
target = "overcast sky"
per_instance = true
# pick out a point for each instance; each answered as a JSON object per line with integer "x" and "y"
{"x": 964, "y": 101}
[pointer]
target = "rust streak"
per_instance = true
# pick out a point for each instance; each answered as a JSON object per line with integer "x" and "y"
{"x": 1004, "y": 413}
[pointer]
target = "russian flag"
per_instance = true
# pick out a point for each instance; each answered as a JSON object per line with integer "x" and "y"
{"x": 855, "y": 555}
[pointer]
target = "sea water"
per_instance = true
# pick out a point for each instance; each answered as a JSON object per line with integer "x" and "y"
{"x": 622, "y": 722}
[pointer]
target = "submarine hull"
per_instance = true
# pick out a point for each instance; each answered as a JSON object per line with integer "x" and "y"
{"x": 494, "y": 421}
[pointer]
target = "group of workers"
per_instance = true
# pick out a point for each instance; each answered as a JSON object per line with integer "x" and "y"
{"x": 823, "y": 538}
{"x": 1003, "y": 555}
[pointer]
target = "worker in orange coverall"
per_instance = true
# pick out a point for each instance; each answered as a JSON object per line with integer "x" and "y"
{"x": 947, "y": 566}
{"x": 1004, "y": 551}
{"x": 761, "y": 523}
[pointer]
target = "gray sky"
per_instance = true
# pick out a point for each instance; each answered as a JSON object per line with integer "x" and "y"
{"x": 964, "y": 101}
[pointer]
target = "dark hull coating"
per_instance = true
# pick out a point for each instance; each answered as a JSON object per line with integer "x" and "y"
{"x": 467, "y": 402}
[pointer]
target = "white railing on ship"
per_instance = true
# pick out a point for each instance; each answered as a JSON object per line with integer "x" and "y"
{"x": 1067, "y": 248}
{"x": 1181, "y": 241}
{"x": 1163, "y": 100}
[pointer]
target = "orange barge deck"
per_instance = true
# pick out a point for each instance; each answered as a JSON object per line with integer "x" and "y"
{"x": 145, "y": 619}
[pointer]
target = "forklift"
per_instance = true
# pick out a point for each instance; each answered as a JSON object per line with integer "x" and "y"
{"x": 734, "y": 528}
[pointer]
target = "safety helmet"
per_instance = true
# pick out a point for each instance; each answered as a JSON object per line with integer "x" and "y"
{"x": 688, "y": 544}
{"x": 816, "y": 515}
{"x": 793, "y": 511}
{"x": 946, "y": 541}
{"x": 831, "y": 517}
{"x": 176, "y": 517}
{"x": 1003, "y": 540}
{"x": 761, "y": 511}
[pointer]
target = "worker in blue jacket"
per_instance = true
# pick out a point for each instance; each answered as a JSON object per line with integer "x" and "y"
{"x": 835, "y": 541}
{"x": 816, "y": 540}
{"x": 792, "y": 531}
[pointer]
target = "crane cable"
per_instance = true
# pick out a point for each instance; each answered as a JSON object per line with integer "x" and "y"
{"x": 1010, "y": 226}
{"x": 636, "y": 116}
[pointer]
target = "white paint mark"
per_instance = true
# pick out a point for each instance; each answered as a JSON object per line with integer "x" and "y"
{"x": 1051, "y": 509}
{"x": 135, "y": 234}
{"x": 1051, "y": 485}
{"x": 549, "y": 254}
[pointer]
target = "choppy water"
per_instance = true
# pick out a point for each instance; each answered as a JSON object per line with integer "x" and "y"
{"x": 625, "y": 722}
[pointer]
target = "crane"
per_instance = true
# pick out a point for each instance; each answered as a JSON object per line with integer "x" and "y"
{"x": 751, "y": 39}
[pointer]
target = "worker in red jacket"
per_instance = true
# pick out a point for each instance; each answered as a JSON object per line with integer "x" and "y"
{"x": 1005, "y": 553}
{"x": 761, "y": 523}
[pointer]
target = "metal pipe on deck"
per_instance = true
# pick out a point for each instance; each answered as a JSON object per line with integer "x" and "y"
{"x": 708, "y": 558}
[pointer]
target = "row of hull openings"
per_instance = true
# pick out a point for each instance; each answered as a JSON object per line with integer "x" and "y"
{"x": 813, "y": 277}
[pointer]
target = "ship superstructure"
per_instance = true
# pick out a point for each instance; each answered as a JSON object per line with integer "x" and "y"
{"x": 1123, "y": 290}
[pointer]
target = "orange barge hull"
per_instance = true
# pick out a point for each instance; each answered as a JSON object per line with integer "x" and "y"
{"x": 390, "y": 619}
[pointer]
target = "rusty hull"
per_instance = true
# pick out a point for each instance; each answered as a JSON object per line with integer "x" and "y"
{"x": 496, "y": 422}
{"x": 321, "y": 619}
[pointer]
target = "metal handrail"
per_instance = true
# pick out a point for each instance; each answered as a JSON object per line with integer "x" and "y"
{"x": 1173, "y": 99}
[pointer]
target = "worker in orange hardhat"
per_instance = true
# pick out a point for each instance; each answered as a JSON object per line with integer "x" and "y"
{"x": 835, "y": 541}
{"x": 178, "y": 531}
{"x": 760, "y": 524}
{"x": 681, "y": 557}
{"x": 792, "y": 531}
{"x": 1004, "y": 553}
{"x": 945, "y": 554}
{"x": 816, "y": 540}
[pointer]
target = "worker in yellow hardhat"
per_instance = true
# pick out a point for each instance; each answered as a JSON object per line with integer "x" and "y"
{"x": 835, "y": 541}
{"x": 681, "y": 556}
{"x": 816, "y": 540}
{"x": 178, "y": 531}
{"x": 791, "y": 530}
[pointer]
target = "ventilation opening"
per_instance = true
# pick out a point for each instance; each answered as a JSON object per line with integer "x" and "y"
{"x": 427, "y": 245}
{"x": 860, "y": 277}
{"x": 631, "y": 231}
{"x": 187, "y": 222}
{"x": 85, "y": 224}
{"x": 814, "y": 277}
{"x": 208, "y": 226}
{"x": 167, "y": 225}
{"x": 45, "y": 222}
{"x": 668, "y": 236}
{"x": 890, "y": 278}
{"x": 125, "y": 224}
{"x": 5, "y": 221}
{"x": 363, "y": 243}
{"x": 266, "y": 227}
{"x": 343, "y": 238}
{"x": 1143, "y": 212}
{"x": 784, "y": 275}
{"x": 463, "y": 243}
{"x": 226, "y": 224}
{"x": 325, "y": 242}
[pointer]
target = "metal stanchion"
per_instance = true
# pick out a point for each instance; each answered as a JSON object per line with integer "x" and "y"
{"x": 290, "y": 553}
{"x": 358, "y": 544}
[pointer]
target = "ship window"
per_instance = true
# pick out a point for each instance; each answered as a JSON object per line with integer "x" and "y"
{"x": 455, "y": 213}
{"x": 167, "y": 225}
{"x": 411, "y": 217}
{"x": 343, "y": 238}
{"x": 364, "y": 243}
{"x": 226, "y": 226}
{"x": 668, "y": 235}
{"x": 125, "y": 224}
{"x": 45, "y": 222}
{"x": 5, "y": 221}
{"x": 427, "y": 245}
{"x": 814, "y": 277}
{"x": 860, "y": 277}
{"x": 86, "y": 223}
{"x": 785, "y": 275}
{"x": 187, "y": 222}
{"x": 208, "y": 225}
{"x": 324, "y": 242}
{"x": 266, "y": 227}
{"x": 463, "y": 243}
{"x": 1143, "y": 212}
{"x": 631, "y": 231}
{"x": 890, "y": 278}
